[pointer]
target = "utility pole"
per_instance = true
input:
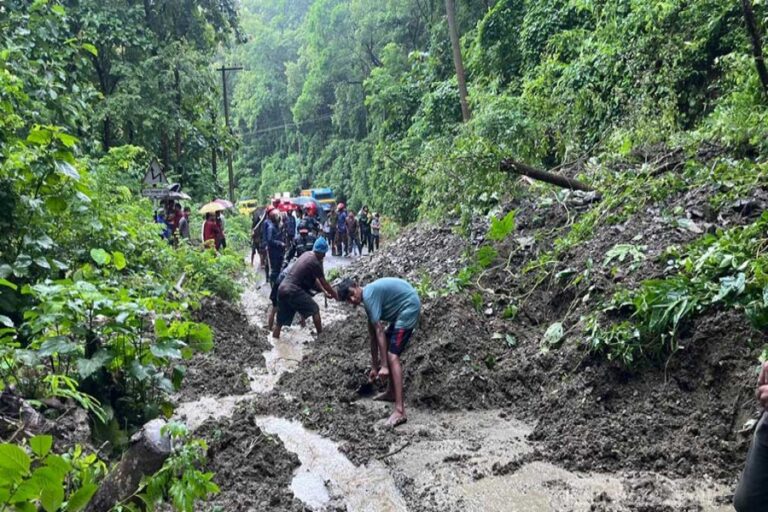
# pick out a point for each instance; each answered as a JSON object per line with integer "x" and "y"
{"x": 226, "y": 122}
{"x": 450, "y": 10}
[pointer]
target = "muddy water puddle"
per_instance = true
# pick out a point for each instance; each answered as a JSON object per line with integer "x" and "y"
{"x": 480, "y": 461}
{"x": 326, "y": 472}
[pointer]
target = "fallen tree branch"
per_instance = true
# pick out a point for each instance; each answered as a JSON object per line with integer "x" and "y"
{"x": 398, "y": 450}
{"x": 513, "y": 166}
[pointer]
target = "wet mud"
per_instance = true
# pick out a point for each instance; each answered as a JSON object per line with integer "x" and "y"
{"x": 497, "y": 421}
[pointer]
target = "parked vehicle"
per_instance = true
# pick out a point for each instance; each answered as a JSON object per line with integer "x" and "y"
{"x": 324, "y": 196}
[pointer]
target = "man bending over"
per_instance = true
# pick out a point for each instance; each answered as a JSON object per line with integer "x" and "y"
{"x": 397, "y": 303}
{"x": 293, "y": 293}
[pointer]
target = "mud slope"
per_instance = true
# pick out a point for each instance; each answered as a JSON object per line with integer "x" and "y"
{"x": 237, "y": 347}
{"x": 253, "y": 469}
{"x": 677, "y": 418}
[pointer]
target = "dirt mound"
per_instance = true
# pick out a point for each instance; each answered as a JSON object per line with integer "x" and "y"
{"x": 423, "y": 251}
{"x": 675, "y": 418}
{"x": 678, "y": 421}
{"x": 253, "y": 469}
{"x": 237, "y": 347}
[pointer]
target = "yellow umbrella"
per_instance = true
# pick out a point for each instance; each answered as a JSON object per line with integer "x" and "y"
{"x": 212, "y": 207}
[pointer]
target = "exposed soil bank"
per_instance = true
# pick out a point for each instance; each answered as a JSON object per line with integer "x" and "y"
{"x": 238, "y": 347}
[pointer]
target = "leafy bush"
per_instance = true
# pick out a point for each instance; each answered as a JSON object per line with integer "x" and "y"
{"x": 726, "y": 269}
{"x": 180, "y": 481}
{"x": 35, "y": 477}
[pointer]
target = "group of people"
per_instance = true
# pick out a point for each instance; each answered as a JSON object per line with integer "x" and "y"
{"x": 176, "y": 226}
{"x": 352, "y": 233}
{"x": 175, "y": 222}
{"x": 213, "y": 235}
{"x": 392, "y": 305}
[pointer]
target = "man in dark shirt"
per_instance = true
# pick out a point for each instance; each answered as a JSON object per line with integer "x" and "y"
{"x": 294, "y": 295}
{"x": 273, "y": 240}
{"x": 342, "y": 247}
{"x": 304, "y": 242}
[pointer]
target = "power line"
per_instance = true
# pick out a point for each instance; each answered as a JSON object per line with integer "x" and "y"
{"x": 291, "y": 125}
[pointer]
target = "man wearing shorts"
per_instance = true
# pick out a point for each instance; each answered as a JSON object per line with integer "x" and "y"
{"x": 396, "y": 302}
{"x": 293, "y": 293}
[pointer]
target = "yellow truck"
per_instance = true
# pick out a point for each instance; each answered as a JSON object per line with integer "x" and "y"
{"x": 247, "y": 206}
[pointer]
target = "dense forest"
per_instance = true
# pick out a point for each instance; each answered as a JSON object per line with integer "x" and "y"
{"x": 655, "y": 110}
{"x": 362, "y": 95}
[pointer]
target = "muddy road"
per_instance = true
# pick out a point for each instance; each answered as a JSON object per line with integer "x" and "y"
{"x": 287, "y": 432}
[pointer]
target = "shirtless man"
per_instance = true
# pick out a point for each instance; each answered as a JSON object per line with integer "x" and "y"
{"x": 397, "y": 303}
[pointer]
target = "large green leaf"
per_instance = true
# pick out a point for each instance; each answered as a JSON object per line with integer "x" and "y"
{"x": 86, "y": 367}
{"x": 501, "y": 228}
{"x": 100, "y": 256}
{"x": 14, "y": 459}
{"x": 167, "y": 349}
{"x": 57, "y": 345}
{"x": 67, "y": 169}
{"x": 80, "y": 499}
{"x": 52, "y": 497}
{"x": 4, "y": 320}
{"x": 41, "y": 445}
{"x": 554, "y": 334}
{"x": 119, "y": 259}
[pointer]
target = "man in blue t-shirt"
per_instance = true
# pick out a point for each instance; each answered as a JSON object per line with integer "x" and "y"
{"x": 397, "y": 303}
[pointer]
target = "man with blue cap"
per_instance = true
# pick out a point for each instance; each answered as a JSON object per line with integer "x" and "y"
{"x": 294, "y": 295}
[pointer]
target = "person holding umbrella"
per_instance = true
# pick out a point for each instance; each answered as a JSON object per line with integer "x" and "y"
{"x": 212, "y": 232}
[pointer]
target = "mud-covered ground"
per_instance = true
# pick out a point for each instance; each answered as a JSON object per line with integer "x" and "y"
{"x": 238, "y": 346}
{"x": 253, "y": 469}
{"x": 496, "y": 418}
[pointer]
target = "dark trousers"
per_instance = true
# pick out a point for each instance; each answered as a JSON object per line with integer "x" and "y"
{"x": 375, "y": 241}
{"x": 332, "y": 241}
{"x": 342, "y": 246}
{"x": 275, "y": 265}
{"x": 752, "y": 491}
{"x": 365, "y": 238}
{"x": 354, "y": 242}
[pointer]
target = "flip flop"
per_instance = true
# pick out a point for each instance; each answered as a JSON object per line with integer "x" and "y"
{"x": 397, "y": 423}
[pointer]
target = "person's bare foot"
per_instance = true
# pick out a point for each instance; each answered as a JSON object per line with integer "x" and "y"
{"x": 396, "y": 420}
{"x": 387, "y": 396}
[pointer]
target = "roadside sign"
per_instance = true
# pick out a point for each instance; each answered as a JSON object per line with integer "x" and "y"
{"x": 155, "y": 177}
{"x": 155, "y": 184}
{"x": 155, "y": 193}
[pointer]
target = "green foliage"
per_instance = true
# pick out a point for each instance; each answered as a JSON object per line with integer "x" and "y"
{"x": 501, "y": 228}
{"x": 726, "y": 269}
{"x": 620, "y": 253}
{"x": 35, "y": 478}
{"x": 180, "y": 481}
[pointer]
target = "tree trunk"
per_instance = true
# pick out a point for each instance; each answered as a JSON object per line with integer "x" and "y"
{"x": 177, "y": 84}
{"x": 214, "y": 166}
{"x": 450, "y": 10}
{"x": 510, "y": 165}
{"x": 145, "y": 456}
{"x": 107, "y": 139}
{"x": 757, "y": 47}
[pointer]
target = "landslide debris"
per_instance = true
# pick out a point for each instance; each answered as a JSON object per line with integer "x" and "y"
{"x": 237, "y": 347}
{"x": 590, "y": 414}
{"x": 253, "y": 469}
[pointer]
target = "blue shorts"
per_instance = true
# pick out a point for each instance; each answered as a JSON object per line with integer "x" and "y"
{"x": 398, "y": 339}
